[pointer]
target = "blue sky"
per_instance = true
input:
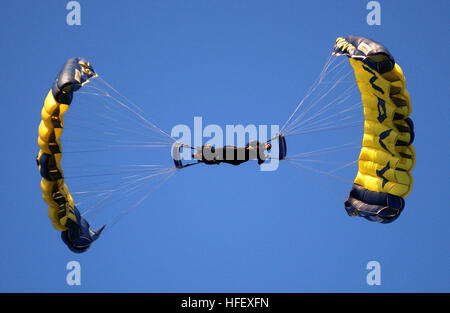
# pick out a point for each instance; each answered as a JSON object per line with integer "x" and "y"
{"x": 224, "y": 229}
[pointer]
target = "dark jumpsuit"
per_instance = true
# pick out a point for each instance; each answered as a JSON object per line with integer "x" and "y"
{"x": 233, "y": 155}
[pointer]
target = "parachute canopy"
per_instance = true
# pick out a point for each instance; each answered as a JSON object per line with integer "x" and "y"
{"x": 387, "y": 156}
{"x": 64, "y": 215}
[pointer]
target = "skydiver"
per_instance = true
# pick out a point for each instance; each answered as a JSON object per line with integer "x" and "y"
{"x": 208, "y": 154}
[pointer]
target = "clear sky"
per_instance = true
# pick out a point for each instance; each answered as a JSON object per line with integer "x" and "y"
{"x": 224, "y": 228}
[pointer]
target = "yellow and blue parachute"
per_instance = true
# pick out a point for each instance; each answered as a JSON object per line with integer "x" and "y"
{"x": 385, "y": 161}
{"x": 387, "y": 156}
{"x": 65, "y": 217}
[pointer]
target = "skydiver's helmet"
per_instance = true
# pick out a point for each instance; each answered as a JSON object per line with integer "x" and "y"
{"x": 268, "y": 146}
{"x": 79, "y": 235}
